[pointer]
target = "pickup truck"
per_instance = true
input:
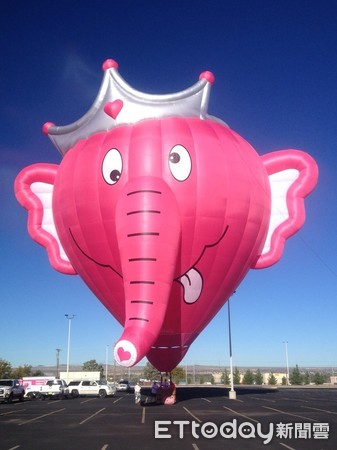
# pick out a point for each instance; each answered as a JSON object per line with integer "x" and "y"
{"x": 32, "y": 385}
{"x": 90, "y": 387}
{"x": 11, "y": 389}
{"x": 53, "y": 389}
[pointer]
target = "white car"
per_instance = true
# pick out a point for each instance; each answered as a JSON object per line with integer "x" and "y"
{"x": 90, "y": 387}
{"x": 125, "y": 385}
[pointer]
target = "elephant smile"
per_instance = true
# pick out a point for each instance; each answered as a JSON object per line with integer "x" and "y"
{"x": 191, "y": 281}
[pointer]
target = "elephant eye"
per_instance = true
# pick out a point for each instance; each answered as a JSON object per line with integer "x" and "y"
{"x": 112, "y": 166}
{"x": 180, "y": 162}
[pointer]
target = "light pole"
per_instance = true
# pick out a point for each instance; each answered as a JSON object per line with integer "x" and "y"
{"x": 106, "y": 362}
{"x": 287, "y": 362}
{"x": 232, "y": 393}
{"x": 114, "y": 374}
{"x": 69, "y": 317}
{"x": 58, "y": 362}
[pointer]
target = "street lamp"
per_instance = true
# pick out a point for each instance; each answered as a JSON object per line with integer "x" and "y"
{"x": 69, "y": 317}
{"x": 114, "y": 373}
{"x": 287, "y": 362}
{"x": 58, "y": 362}
{"x": 232, "y": 393}
{"x": 106, "y": 362}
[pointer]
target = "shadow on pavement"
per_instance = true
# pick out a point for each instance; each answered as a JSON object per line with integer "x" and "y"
{"x": 189, "y": 392}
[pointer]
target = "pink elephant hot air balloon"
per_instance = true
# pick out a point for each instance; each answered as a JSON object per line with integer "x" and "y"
{"x": 161, "y": 209}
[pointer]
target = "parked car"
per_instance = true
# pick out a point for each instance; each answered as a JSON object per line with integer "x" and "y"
{"x": 122, "y": 387}
{"x": 131, "y": 387}
{"x": 125, "y": 386}
{"x": 90, "y": 387}
{"x": 11, "y": 389}
{"x": 53, "y": 388}
{"x": 33, "y": 385}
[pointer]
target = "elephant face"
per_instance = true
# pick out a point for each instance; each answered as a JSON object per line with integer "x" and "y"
{"x": 169, "y": 215}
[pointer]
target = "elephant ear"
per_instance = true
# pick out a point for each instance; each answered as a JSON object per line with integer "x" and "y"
{"x": 34, "y": 191}
{"x": 292, "y": 176}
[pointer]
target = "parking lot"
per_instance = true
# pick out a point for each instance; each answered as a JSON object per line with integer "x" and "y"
{"x": 204, "y": 418}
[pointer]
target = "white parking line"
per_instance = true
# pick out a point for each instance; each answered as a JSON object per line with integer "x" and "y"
{"x": 92, "y": 415}
{"x": 206, "y": 400}
{"x": 263, "y": 399}
{"x": 40, "y": 417}
{"x": 13, "y": 448}
{"x": 11, "y": 412}
{"x": 289, "y": 414}
{"x": 236, "y": 400}
{"x": 105, "y": 447}
{"x": 191, "y": 414}
{"x": 287, "y": 446}
{"x": 318, "y": 409}
{"x": 88, "y": 400}
{"x": 195, "y": 446}
{"x": 143, "y": 415}
{"x": 117, "y": 400}
{"x": 239, "y": 414}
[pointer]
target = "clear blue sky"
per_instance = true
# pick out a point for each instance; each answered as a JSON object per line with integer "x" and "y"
{"x": 276, "y": 84}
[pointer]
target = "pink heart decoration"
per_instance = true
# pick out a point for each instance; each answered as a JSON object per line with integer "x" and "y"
{"x": 123, "y": 355}
{"x": 113, "y": 108}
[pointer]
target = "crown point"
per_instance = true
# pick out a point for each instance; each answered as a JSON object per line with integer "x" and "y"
{"x": 46, "y": 126}
{"x": 112, "y": 109}
{"x": 126, "y": 106}
{"x": 110, "y": 64}
{"x": 208, "y": 76}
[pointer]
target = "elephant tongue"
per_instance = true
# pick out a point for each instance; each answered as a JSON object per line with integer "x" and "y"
{"x": 192, "y": 284}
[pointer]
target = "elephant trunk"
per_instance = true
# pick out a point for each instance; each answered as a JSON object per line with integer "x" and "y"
{"x": 148, "y": 230}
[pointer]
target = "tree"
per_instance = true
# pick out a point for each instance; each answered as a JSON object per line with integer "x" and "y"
{"x": 258, "y": 377}
{"x": 236, "y": 376}
{"x": 306, "y": 378}
{"x": 284, "y": 381}
{"x": 272, "y": 380}
{"x": 318, "y": 378}
{"x": 248, "y": 377}
{"x": 178, "y": 374}
{"x": 5, "y": 369}
{"x": 22, "y": 371}
{"x": 225, "y": 377}
{"x": 93, "y": 366}
{"x": 150, "y": 372}
{"x": 38, "y": 373}
{"x": 296, "y": 378}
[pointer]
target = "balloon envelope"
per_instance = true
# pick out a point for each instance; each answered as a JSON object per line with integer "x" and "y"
{"x": 162, "y": 217}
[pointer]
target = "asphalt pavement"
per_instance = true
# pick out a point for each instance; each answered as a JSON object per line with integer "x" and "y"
{"x": 204, "y": 418}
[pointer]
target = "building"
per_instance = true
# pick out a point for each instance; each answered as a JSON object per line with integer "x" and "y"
{"x": 83, "y": 375}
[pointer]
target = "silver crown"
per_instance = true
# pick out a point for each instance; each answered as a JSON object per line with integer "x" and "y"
{"x": 117, "y": 103}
